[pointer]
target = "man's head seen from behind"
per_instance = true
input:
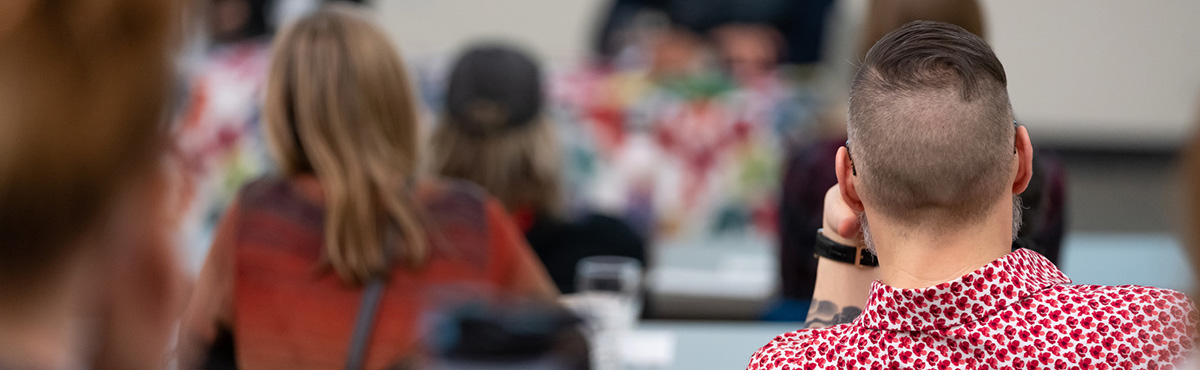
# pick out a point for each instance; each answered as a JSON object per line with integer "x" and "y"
{"x": 931, "y": 136}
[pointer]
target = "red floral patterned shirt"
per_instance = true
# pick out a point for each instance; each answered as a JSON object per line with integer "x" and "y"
{"x": 1014, "y": 313}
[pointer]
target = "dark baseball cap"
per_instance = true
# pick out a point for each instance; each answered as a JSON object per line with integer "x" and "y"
{"x": 493, "y": 88}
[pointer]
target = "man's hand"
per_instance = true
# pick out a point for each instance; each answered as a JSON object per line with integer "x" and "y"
{"x": 841, "y": 289}
{"x": 840, "y": 223}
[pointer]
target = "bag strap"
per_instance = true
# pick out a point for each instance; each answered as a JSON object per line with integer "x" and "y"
{"x": 368, "y": 309}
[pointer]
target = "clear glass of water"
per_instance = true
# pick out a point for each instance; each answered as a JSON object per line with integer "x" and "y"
{"x": 613, "y": 278}
{"x": 609, "y": 291}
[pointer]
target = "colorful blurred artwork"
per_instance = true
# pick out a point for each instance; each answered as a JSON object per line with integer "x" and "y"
{"x": 685, "y": 159}
{"x": 218, "y": 132}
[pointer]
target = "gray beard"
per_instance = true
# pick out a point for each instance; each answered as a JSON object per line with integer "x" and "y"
{"x": 870, "y": 242}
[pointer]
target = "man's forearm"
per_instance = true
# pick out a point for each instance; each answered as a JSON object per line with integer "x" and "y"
{"x": 840, "y": 291}
{"x": 839, "y": 295}
{"x": 827, "y": 313}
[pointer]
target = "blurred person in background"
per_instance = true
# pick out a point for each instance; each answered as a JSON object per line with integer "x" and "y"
{"x": 233, "y": 21}
{"x": 284, "y": 279}
{"x": 493, "y": 132}
{"x": 795, "y": 27}
{"x": 883, "y": 16}
{"x": 749, "y": 52}
{"x": 935, "y": 162}
{"x": 809, "y": 169}
{"x": 89, "y": 277}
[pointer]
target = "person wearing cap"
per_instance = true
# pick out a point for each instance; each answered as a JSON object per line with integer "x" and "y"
{"x": 493, "y": 132}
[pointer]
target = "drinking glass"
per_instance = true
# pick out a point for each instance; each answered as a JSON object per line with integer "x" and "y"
{"x": 609, "y": 291}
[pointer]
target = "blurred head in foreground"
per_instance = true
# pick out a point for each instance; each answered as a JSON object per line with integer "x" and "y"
{"x": 1191, "y": 186}
{"x": 86, "y": 274}
{"x": 493, "y": 132}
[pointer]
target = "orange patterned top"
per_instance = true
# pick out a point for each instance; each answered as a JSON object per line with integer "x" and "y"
{"x": 287, "y": 312}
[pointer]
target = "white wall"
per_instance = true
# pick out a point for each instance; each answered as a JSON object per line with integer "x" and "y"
{"x": 555, "y": 29}
{"x": 1101, "y": 71}
{"x": 1091, "y": 72}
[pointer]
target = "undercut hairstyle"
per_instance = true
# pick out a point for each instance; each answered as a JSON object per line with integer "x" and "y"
{"x": 931, "y": 127}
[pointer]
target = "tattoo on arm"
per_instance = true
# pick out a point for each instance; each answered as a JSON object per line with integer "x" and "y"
{"x": 826, "y": 313}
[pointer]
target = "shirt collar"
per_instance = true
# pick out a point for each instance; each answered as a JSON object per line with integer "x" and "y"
{"x": 971, "y": 297}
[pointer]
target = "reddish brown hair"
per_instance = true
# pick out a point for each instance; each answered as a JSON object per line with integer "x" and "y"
{"x": 83, "y": 87}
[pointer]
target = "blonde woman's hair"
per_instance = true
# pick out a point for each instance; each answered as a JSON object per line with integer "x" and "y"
{"x": 340, "y": 106}
{"x": 521, "y": 167}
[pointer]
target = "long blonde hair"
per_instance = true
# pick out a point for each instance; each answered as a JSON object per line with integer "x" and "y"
{"x": 340, "y": 106}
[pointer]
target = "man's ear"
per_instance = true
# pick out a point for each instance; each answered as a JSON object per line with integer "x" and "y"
{"x": 847, "y": 180}
{"x": 1024, "y": 160}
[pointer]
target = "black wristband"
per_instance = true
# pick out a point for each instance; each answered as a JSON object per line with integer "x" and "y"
{"x": 858, "y": 256}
